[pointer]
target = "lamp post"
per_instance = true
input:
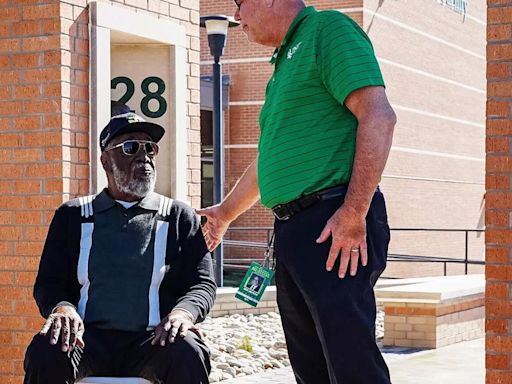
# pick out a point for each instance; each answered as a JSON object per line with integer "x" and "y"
{"x": 217, "y": 30}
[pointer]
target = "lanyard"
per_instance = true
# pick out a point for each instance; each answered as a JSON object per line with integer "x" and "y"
{"x": 270, "y": 260}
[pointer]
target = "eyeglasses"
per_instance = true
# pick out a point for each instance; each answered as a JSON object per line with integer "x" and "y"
{"x": 132, "y": 147}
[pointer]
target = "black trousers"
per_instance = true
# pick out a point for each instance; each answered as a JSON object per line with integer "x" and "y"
{"x": 329, "y": 323}
{"x": 118, "y": 354}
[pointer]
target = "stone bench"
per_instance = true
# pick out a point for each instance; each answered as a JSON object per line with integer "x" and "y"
{"x": 432, "y": 312}
{"x": 113, "y": 380}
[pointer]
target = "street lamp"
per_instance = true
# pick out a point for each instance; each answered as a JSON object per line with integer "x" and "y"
{"x": 217, "y": 30}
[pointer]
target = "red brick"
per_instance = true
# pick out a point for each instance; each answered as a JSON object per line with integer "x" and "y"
{"x": 10, "y": 233}
{"x": 499, "y": 144}
{"x": 22, "y": 338}
{"x": 27, "y": 186}
{"x": 6, "y": 308}
{"x": 499, "y": 236}
{"x": 29, "y": 248}
{"x": 7, "y": 202}
{"x": 52, "y": 89}
{"x": 498, "y": 377}
{"x": 26, "y": 28}
{"x": 501, "y": 89}
{"x": 11, "y": 263}
{"x": 497, "y": 255}
{"x": 27, "y": 91}
{"x": 25, "y": 279}
{"x": 10, "y": 14}
{"x": 498, "y": 309}
{"x": 52, "y": 58}
{"x": 6, "y": 278}
{"x": 498, "y": 108}
{"x": 499, "y": 52}
{"x": 6, "y": 217}
{"x": 497, "y": 290}
{"x": 43, "y": 202}
{"x": 38, "y": 12}
{"x": 27, "y": 308}
{"x": 497, "y": 182}
{"x": 45, "y": 169}
{"x": 499, "y": 32}
{"x": 11, "y": 352}
{"x": 5, "y": 61}
{"x": 14, "y": 293}
{"x": 6, "y": 337}
{"x": 41, "y": 106}
{"x": 42, "y": 139}
{"x": 43, "y": 75}
{"x": 498, "y": 163}
{"x": 27, "y": 123}
{"x": 497, "y": 361}
{"x": 34, "y": 323}
{"x": 53, "y": 121}
{"x": 51, "y": 26}
{"x": 10, "y": 108}
{"x": 28, "y": 217}
{"x": 499, "y": 343}
{"x": 499, "y": 126}
{"x": 9, "y": 45}
{"x": 498, "y": 199}
{"x": 27, "y": 155}
{"x": 35, "y": 233}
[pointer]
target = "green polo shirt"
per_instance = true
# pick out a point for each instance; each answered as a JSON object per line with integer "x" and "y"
{"x": 307, "y": 139}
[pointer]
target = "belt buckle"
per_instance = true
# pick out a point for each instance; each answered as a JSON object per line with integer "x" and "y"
{"x": 278, "y": 215}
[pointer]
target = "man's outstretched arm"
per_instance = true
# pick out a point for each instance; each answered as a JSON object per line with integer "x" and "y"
{"x": 242, "y": 197}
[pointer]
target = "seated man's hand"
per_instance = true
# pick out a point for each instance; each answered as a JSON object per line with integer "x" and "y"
{"x": 176, "y": 323}
{"x": 66, "y": 323}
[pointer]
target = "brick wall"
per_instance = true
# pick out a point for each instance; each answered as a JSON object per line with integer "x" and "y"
{"x": 44, "y": 140}
{"x": 498, "y": 202}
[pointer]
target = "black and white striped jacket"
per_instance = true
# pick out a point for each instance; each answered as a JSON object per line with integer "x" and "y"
{"x": 174, "y": 270}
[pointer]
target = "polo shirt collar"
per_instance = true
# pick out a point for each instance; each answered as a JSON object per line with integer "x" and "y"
{"x": 103, "y": 202}
{"x": 151, "y": 202}
{"x": 305, "y": 12}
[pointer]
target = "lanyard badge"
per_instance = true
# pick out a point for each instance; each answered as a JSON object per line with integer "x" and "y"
{"x": 257, "y": 278}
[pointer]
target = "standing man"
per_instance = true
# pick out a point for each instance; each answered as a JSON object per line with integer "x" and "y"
{"x": 124, "y": 275}
{"x": 326, "y": 131}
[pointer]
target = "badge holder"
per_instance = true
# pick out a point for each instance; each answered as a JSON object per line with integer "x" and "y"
{"x": 257, "y": 278}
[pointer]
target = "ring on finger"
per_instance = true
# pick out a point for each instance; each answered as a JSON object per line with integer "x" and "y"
{"x": 354, "y": 250}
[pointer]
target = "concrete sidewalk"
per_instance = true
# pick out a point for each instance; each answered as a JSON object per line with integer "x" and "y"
{"x": 461, "y": 363}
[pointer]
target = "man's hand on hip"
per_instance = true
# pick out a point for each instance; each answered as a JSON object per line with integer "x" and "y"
{"x": 65, "y": 322}
{"x": 177, "y": 323}
{"x": 348, "y": 230}
{"x": 216, "y": 225}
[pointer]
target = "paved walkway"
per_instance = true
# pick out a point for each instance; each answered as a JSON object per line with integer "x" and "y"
{"x": 461, "y": 363}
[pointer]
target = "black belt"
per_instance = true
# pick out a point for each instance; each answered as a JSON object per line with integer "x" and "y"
{"x": 285, "y": 211}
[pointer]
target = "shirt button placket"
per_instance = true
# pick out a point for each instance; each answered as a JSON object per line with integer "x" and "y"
{"x": 124, "y": 227}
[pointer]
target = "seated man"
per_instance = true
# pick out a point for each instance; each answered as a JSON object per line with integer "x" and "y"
{"x": 124, "y": 276}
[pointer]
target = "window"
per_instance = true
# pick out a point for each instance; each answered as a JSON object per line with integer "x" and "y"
{"x": 459, "y": 6}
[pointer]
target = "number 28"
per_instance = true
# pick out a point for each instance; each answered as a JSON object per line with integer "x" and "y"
{"x": 148, "y": 94}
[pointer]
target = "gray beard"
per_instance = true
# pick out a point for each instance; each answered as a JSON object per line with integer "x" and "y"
{"x": 138, "y": 188}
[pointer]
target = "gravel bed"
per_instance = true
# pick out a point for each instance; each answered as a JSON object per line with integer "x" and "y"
{"x": 243, "y": 345}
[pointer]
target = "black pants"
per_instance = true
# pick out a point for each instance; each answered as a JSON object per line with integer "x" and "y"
{"x": 329, "y": 323}
{"x": 118, "y": 353}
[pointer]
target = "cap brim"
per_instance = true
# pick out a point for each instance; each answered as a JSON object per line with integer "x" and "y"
{"x": 155, "y": 131}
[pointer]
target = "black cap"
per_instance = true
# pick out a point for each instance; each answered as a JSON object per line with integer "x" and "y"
{"x": 129, "y": 122}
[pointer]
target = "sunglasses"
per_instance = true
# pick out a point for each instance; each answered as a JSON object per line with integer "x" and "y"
{"x": 238, "y": 3}
{"x": 132, "y": 147}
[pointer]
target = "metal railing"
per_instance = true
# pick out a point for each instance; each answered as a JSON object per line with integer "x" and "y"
{"x": 240, "y": 263}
